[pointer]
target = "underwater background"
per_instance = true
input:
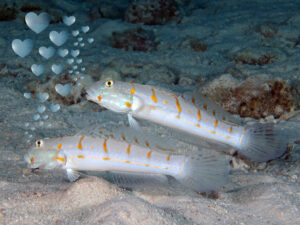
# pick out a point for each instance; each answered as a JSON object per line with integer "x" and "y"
{"x": 242, "y": 54}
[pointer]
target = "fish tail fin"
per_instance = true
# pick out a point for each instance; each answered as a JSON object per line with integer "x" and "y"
{"x": 263, "y": 142}
{"x": 205, "y": 172}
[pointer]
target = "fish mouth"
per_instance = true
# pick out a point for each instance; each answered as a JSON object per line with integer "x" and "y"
{"x": 91, "y": 94}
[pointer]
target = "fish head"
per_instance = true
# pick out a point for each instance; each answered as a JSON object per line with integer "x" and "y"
{"x": 43, "y": 156}
{"x": 113, "y": 95}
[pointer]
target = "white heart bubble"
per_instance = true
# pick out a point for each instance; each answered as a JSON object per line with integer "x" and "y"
{"x": 58, "y": 38}
{"x": 62, "y": 52}
{"x": 32, "y": 128}
{"x": 49, "y": 125}
{"x": 79, "y": 39}
{"x": 75, "y": 79}
{"x": 22, "y": 48}
{"x": 57, "y": 69}
{"x": 36, "y": 116}
{"x": 74, "y": 67}
{"x": 47, "y": 53}
{"x": 85, "y": 29}
{"x": 41, "y": 123}
{"x": 54, "y": 107}
{"x": 70, "y": 71}
{"x": 82, "y": 77}
{"x": 42, "y": 96}
{"x": 26, "y": 124}
{"x": 82, "y": 44}
{"x": 82, "y": 69}
{"x": 27, "y": 95}
{"x": 37, "y": 69}
{"x": 44, "y": 117}
{"x": 70, "y": 61}
{"x": 76, "y": 43}
{"x": 75, "y": 33}
{"x": 78, "y": 61}
{"x": 76, "y": 72}
{"x": 63, "y": 90}
{"x": 26, "y": 132}
{"x": 37, "y": 23}
{"x": 40, "y": 108}
{"x": 28, "y": 141}
{"x": 90, "y": 40}
{"x": 30, "y": 136}
{"x": 75, "y": 53}
{"x": 69, "y": 20}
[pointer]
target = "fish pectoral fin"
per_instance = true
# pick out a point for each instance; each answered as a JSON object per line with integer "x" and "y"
{"x": 72, "y": 175}
{"x": 133, "y": 122}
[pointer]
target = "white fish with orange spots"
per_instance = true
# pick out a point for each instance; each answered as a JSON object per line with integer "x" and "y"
{"x": 194, "y": 116}
{"x": 201, "y": 172}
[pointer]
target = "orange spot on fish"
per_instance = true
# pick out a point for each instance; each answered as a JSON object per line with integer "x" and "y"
{"x": 213, "y": 132}
{"x": 153, "y": 97}
{"x": 199, "y": 114}
{"x": 216, "y": 123}
{"x": 214, "y": 112}
{"x": 136, "y": 140}
{"x": 32, "y": 160}
{"x": 165, "y": 102}
{"x": 164, "y": 149}
{"x": 60, "y": 159}
{"x": 205, "y": 107}
{"x": 127, "y": 162}
{"x": 128, "y": 104}
{"x": 193, "y": 100}
{"x": 147, "y": 144}
{"x": 59, "y": 146}
{"x": 132, "y": 91}
{"x": 80, "y": 143}
{"x": 128, "y": 149}
{"x": 105, "y": 146}
{"x": 147, "y": 165}
{"x": 149, "y": 154}
{"x": 99, "y": 98}
{"x": 105, "y": 158}
{"x": 230, "y": 129}
{"x": 177, "y": 105}
{"x": 124, "y": 139}
{"x": 80, "y": 156}
{"x": 188, "y": 111}
{"x": 168, "y": 157}
{"x": 223, "y": 118}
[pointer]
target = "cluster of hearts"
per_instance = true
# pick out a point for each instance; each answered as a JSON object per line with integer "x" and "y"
{"x": 39, "y": 23}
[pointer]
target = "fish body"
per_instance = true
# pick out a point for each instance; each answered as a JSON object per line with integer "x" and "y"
{"x": 76, "y": 153}
{"x": 201, "y": 119}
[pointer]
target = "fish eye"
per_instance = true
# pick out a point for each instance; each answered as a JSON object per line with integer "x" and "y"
{"x": 38, "y": 143}
{"x": 109, "y": 83}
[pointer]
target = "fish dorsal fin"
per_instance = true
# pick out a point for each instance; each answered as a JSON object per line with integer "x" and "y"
{"x": 204, "y": 103}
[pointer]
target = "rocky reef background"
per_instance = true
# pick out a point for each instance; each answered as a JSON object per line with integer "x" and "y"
{"x": 243, "y": 55}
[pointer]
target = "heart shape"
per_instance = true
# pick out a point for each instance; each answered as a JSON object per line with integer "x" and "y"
{"x": 44, "y": 117}
{"x": 22, "y": 48}
{"x": 27, "y": 95}
{"x": 63, "y": 52}
{"x": 40, "y": 108}
{"x": 79, "y": 39}
{"x": 75, "y": 53}
{"x": 58, "y": 38}
{"x": 37, "y": 23}
{"x": 78, "y": 61}
{"x": 76, "y": 43}
{"x": 69, "y": 20}
{"x": 85, "y": 29}
{"x": 82, "y": 44}
{"x": 75, "y": 33}
{"x": 75, "y": 67}
{"x": 82, "y": 69}
{"x": 57, "y": 69}
{"x": 36, "y": 116}
{"x": 54, "y": 107}
{"x": 70, "y": 61}
{"x": 63, "y": 90}
{"x": 47, "y": 53}
{"x": 37, "y": 69}
{"x": 42, "y": 96}
{"x": 90, "y": 40}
